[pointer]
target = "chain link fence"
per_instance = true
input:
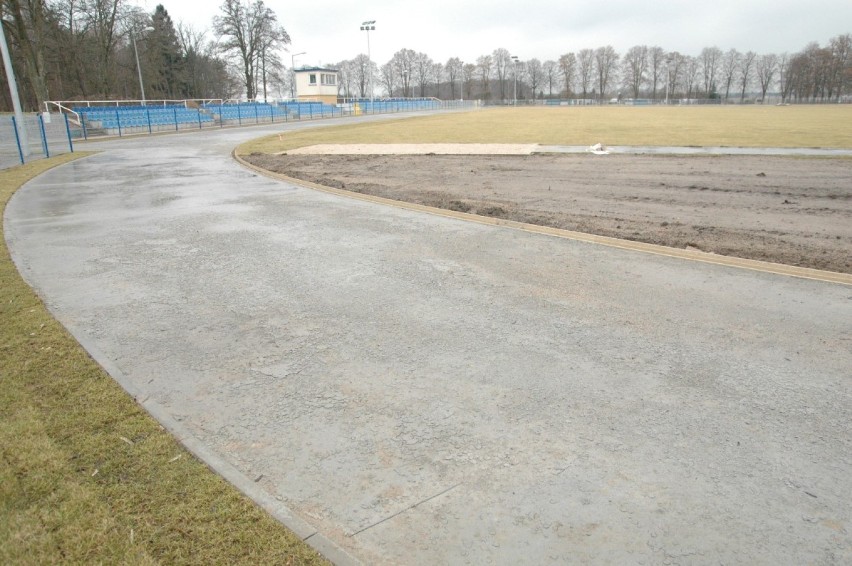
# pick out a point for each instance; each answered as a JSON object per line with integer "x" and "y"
{"x": 38, "y": 136}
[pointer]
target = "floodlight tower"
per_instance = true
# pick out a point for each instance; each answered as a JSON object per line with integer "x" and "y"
{"x": 515, "y": 74}
{"x": 13, "y": 92}
{"x": 138, "y": 66}
{"x": 668, "y": 76}
{"x": 368, "y": 27}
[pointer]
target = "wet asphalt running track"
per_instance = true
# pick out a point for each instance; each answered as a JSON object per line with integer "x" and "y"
{"x": 418, "y": 389}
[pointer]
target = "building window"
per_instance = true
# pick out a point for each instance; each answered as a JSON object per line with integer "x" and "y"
{"x": 313, "y": 79}
{"x": 329, "y": 80}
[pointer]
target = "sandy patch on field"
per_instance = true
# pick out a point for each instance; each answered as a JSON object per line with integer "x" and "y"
{"x": 417, "y": 149}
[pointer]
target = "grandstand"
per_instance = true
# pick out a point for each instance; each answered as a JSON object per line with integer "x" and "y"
{"x": 120, "y": 120}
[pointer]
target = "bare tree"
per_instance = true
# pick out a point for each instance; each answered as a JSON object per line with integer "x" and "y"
{"x": 606, "y": 63}
{"x": 730, "y": 64}
{"x": 709, "y": 60}
{"x": 810, "y": 74}
{"x": 568, "y": 68}
{"x": 345, "y": 77}
{"x": 453, "y": 69}
{"x": 635, "y": 68}
{"x": 248, "y": 30}
{"x": 535, "y": 76}
{"x": 422, "y": 71}
{"x": 746, "y": 69}
{"x": 206, "y": 75}
{"x": 73, "y": 47}
{"x": 656, "y": 67}
{"x": 549, "y": 70}
{"x": 586, "y": 69}
{"x": 403, "y": 63}
{"x": 436, "y": 73}
{"x": 363, "y": 68}
{"x": 484, "y": 65}
{"x": 675, "y": 63}
{"x": 104, "y": 19}
{"x": 502, "y": 62}
{"x": 691, "y": 71}
{"x": 840, "y": 70}
{"x": 468, "y": 74}
{"x": 390, "y": 77}
{"x": 766, "y": 67}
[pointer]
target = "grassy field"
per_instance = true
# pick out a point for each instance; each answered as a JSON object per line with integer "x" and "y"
{"x": 732, "y": 126}
{"x": 86, "y": 476}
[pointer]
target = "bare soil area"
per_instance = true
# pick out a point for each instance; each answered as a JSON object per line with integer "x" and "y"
{"x": 790, "y": 210}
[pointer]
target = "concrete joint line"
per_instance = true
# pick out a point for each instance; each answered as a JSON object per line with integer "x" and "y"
{"x": 409, "y": 508}
{"x": 689, "y": 255}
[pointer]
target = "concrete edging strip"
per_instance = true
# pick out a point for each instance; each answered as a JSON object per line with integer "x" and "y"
{"x": 690, "y": 255}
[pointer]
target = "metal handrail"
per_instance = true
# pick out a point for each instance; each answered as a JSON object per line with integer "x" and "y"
{"x": 62, "y": 110}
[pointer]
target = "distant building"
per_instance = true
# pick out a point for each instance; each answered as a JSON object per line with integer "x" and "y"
{"x": 317, "y": 83}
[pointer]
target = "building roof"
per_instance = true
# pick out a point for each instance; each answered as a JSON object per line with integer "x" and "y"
{"x": 313, "y": 69}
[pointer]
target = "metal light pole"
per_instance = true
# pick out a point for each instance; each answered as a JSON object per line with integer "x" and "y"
{"x": 668, "y": 77}
{"x": 138, "y": 66}
{"x": 515, "y": 74}
{"x": 13, "y": 91}
{"x": 368, "y": 27}
{"x": 293, "y": 69}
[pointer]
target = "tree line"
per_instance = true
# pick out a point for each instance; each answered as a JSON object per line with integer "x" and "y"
{"x": 88, "y": 50}
{"x": 814, "y": 74}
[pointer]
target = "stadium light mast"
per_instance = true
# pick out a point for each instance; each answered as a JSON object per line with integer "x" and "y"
{"x": 668, "y": 76}
{"x": 368, "y": 27}
{"x": 138, "y": 66}
{"x": 13, "y": 91}
{"x": 293, "y": 69}
{"x": 515, "y": 75}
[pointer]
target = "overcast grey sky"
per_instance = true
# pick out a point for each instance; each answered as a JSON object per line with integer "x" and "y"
{"x": 328, "y": 30}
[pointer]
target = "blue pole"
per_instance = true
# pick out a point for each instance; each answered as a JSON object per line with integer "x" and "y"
{"x": 68, "y": 131}
{"x": 239, "y": 114}
{"x": 118, "y": 121}
{"x": 43, "y": 136}
{"x": 17, "y": 138}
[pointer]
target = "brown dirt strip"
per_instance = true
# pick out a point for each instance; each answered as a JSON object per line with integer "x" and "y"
{"x": 785, "y": 210}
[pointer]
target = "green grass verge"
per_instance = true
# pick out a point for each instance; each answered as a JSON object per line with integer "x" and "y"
{"x": 86, "y": 475}
{"x": 729, "y": 126}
